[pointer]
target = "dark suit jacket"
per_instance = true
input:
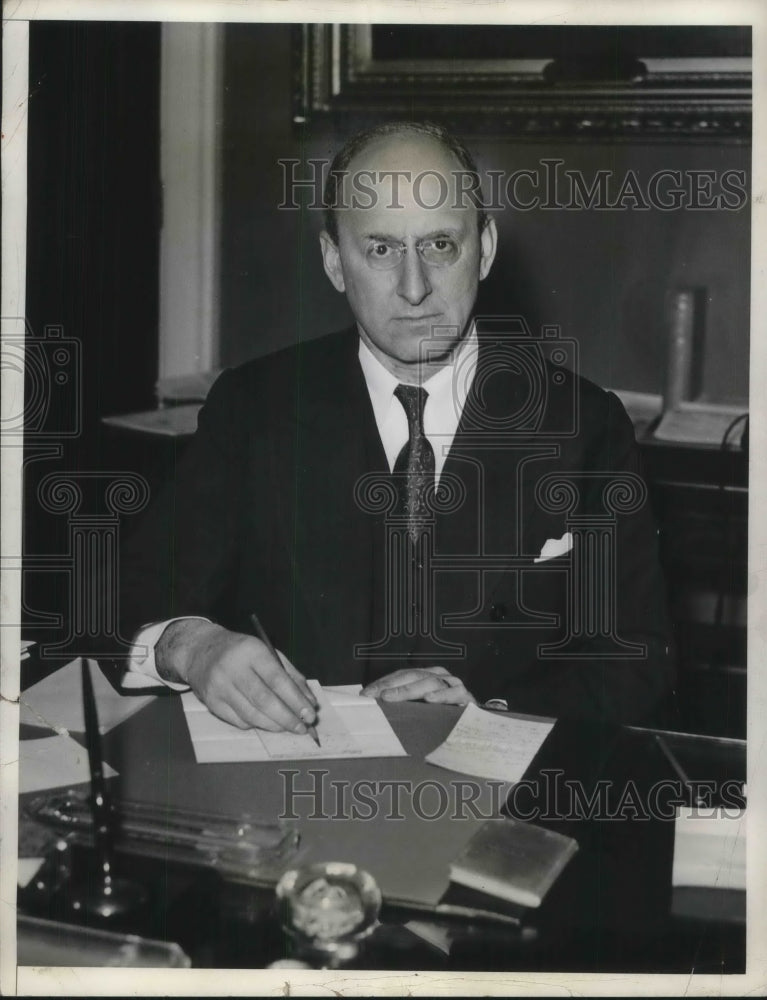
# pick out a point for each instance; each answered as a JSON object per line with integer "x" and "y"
{"x": 268, "y": 512}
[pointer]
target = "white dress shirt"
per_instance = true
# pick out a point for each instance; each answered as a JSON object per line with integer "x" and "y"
{"x": 447, "y": 391}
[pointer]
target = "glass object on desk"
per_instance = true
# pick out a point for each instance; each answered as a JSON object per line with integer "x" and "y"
{"x": 239, "y": 848}
{"x": 52, "y": 943}
{"x": 329, "y": 908}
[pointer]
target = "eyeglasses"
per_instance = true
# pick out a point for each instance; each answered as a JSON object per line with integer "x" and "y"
{"x": 436, "y": 251}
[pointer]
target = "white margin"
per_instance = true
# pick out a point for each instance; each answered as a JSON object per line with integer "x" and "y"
{"x": 12, "y": 310}
{"x": 74, "y": 982}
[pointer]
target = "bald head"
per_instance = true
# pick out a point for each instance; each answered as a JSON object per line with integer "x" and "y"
{"x": 421, "y": 160}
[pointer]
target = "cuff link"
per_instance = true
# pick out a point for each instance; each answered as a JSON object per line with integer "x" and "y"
{"x": 497, "y": 705}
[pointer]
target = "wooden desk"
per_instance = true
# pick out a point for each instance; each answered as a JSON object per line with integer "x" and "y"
{"x": 610, "y": 911}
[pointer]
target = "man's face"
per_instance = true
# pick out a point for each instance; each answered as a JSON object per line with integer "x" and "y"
{"x": 408, "y": 268}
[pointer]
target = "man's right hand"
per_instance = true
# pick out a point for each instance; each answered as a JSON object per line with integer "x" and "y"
{"x": 235, "y": 676}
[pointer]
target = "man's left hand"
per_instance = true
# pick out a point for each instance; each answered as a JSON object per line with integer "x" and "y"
{"x": 434, "y": 684}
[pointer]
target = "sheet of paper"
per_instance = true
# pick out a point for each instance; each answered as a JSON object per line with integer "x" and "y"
{"x": 348, "y": 726}
{"x": 175, "y": 421}
{"x": 698, "y": 423}
{"x": 710, "y": 848}
{"x": 53, "y": 762}
{"x": 56, "y": 702}
{"x": 490, "y": 745}
{"x": 26, "y": 869}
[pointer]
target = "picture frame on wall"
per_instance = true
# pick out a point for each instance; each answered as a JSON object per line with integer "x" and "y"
{"x": 575, "y": 81}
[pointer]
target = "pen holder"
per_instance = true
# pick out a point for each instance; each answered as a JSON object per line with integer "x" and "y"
{"x": 74, "y": 885}
{"x": 209, "y": 878}
{"x": 175, "y": 903}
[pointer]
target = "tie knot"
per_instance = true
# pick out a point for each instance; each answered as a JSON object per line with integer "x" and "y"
{"x": 413, "y": 399}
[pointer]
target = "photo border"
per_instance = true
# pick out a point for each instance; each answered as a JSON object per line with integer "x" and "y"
{"x": 61, "y": 981}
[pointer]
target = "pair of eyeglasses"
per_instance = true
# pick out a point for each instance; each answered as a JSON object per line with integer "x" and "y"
{"x": 436, "y": 251}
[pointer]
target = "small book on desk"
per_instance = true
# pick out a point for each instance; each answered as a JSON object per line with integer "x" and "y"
{"x": 515, "y": 861}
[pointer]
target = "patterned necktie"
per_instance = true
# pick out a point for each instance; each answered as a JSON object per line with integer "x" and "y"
{"x": 416, "y": 460}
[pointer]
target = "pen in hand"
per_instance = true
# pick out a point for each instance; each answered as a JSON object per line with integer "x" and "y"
{"x": 259, "y": 630}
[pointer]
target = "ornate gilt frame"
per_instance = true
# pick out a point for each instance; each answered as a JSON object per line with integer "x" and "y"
{"x": 338, "y": 78}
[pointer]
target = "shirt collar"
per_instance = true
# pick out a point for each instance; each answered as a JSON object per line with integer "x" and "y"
{"x": 440, "y": 386}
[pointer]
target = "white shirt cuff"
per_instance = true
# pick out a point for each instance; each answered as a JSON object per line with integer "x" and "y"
{"x": 142, "y": 669}
{"x": 496, "y": 705}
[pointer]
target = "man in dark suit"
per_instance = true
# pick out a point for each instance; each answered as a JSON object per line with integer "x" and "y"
{"x": 423, "y": 504}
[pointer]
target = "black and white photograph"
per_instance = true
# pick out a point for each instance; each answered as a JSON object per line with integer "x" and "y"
{"x": 381, "y": 551}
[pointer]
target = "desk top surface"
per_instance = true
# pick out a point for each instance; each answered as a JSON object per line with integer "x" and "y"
{"x": 611, "y": 909}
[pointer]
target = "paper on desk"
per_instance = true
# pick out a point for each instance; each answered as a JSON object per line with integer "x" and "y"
{"x": 54, "y": 761}
{"x": 26, "y": 869}
{"x": 175, "y": 421}
{"x": 348, "y": 726}
{"x": 710, "y": 848}
{"x": 694, "y": 422}
{"x": 57, "y": 701}
{"x": 490, "y": 745}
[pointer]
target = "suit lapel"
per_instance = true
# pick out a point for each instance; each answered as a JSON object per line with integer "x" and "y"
{"x": 493, "y": 464}
{"x": 485, "y": 457}
{"x": 329, "y": 538}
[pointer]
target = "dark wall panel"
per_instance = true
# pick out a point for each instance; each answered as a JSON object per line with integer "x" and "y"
{"x": 92, "y": 268}
{"x": 93, "y": 216}
{"x": 603, "y": 276}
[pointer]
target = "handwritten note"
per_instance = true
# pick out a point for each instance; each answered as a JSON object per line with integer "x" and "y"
{"x": 490, "y": 745}
{"x": 348, "y": 725}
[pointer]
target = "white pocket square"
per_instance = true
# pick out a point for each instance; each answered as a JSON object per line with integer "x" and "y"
{"x": 554, "y": 547}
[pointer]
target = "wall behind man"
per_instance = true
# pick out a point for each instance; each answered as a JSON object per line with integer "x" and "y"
{"x": 604, "y": 276}
{"x": 92, "y": 294}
